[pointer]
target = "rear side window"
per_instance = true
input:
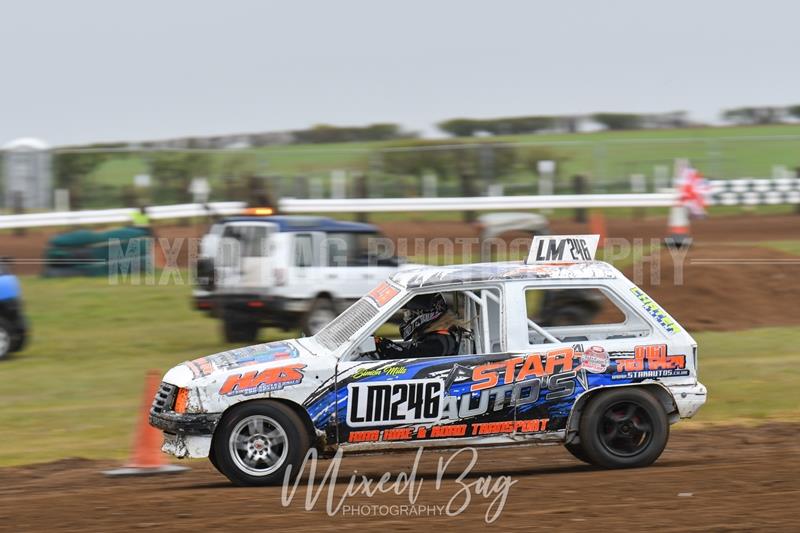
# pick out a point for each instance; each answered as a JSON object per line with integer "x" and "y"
{"x": 347, "y": 249}
{"x": 303, "y": 250}
{"x": 571, "y": 307}
{"x": 251, "y": 240}
{"x": 579, "y": 314}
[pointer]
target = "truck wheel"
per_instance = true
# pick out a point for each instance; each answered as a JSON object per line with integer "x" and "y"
{"x": 577, "y": 452}
{"x": 257, "y": 441}
{"x": 5, "y": 337}
{"x": 320, "y": 314}
{"x": 623, "y": 428}
{"x": 239, "y": 331}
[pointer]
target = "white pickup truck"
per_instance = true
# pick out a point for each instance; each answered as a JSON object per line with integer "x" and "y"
{"x": 286, "y": 271}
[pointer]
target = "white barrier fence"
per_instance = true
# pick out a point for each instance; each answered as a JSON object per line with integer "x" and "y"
{"x": 723, "y": 192}
{"x": 478, "y": 203}
{"x": 117, "y": 216}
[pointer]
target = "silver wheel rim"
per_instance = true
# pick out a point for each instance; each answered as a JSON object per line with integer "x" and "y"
{"x": 5, "y": 342}
{"x": 258, "y": 445}
{"x": 319, "y": 319}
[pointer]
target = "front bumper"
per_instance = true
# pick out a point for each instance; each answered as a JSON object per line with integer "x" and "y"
{"x": 184, "y": 423}
{"x": 182, "y": 446}
{"x": 185, "y": 434}
{"x": 202, "y": 301}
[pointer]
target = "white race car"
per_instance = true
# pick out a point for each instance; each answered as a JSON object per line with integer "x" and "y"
{"x": 608, "y": 385}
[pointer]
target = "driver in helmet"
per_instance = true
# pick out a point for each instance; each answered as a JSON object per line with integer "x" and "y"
{"x": 429, "y": 329}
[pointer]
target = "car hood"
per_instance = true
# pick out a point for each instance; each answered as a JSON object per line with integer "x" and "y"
{"x": 263, "y": 355}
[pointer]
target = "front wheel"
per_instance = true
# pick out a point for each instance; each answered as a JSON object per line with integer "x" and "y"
{"x": 257, "y": 441}
{"x": 623, "y": 428}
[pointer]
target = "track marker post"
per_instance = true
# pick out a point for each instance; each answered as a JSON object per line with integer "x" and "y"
{"x": 147, "y": 458}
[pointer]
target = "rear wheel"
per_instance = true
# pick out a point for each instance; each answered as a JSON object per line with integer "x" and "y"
{"x": 256, "y": 442}
{"x": 239, "y": 330}
{"x": 320, "y": 314}
{"x": 623, "y": 428}
{"x": 577, "y": 451}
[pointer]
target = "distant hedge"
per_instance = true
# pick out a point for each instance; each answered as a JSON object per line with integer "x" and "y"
{"x": 325, "y": 133}
{"x": 470, "y": 127}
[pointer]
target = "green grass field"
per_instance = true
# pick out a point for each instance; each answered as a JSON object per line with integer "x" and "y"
{"x": 607, "y": 157}
{"x": 77, "y": 389}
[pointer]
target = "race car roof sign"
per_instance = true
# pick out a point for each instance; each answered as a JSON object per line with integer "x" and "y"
{"x": 562, "y": 248}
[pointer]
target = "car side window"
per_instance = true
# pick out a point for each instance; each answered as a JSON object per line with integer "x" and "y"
{"x": 340, "y": 248}
{"x": 474, "y": 318}
{"x": 303, "y": 250}
{"x": 347, "y": 249}
{"x": 578, "y": 314}
{"x": 255, "y": 243}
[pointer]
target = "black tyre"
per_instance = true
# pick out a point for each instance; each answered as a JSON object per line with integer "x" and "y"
{"x": 234, "y": 330}
{"x": 212, "y": 458}
{"x": 19, "y": 342}
{"x": 577, "y": 451}
{"x": 623, "y": 428}
{"x": 255, "y": 442}
{"x": 320, "y": 314}
{"x": 6, "y": 338}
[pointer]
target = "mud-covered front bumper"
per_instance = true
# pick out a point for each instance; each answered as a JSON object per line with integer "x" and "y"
{"x": 185, "y": 423}
{"x": 183, "y": 446}
{"x": 185, "y": 434}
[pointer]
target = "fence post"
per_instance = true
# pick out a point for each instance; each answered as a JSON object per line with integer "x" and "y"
{"x": 468, "y": 190}
{"x": 361, "y": 190}
{"x": 338, "y": 184}
{"x": 580, "y": 185}
{"x": 797, "y": 175}
{"x": 430, "y": 185}
{"x": 638, "y": 186}
{"x": 18, "y": 208}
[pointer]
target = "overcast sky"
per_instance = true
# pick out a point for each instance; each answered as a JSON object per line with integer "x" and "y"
{"x": 93, "y": 71}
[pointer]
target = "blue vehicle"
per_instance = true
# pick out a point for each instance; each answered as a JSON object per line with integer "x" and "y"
{"x": 13, "y": 326}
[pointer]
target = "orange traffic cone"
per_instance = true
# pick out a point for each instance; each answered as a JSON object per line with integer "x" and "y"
{"x": 147, "y": 457}
{"x": 678, "y": 228}
{"x": 597, "y": 226}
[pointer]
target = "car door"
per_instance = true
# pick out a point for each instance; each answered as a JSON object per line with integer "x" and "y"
{"x": 432, "y": 398}
{"x": 304, "y": 270}
{"x": 242, "y": 258}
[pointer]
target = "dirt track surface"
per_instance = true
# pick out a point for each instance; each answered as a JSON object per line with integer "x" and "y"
{"x": 721, "y": 479}
{"x": 720, "y": 287}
